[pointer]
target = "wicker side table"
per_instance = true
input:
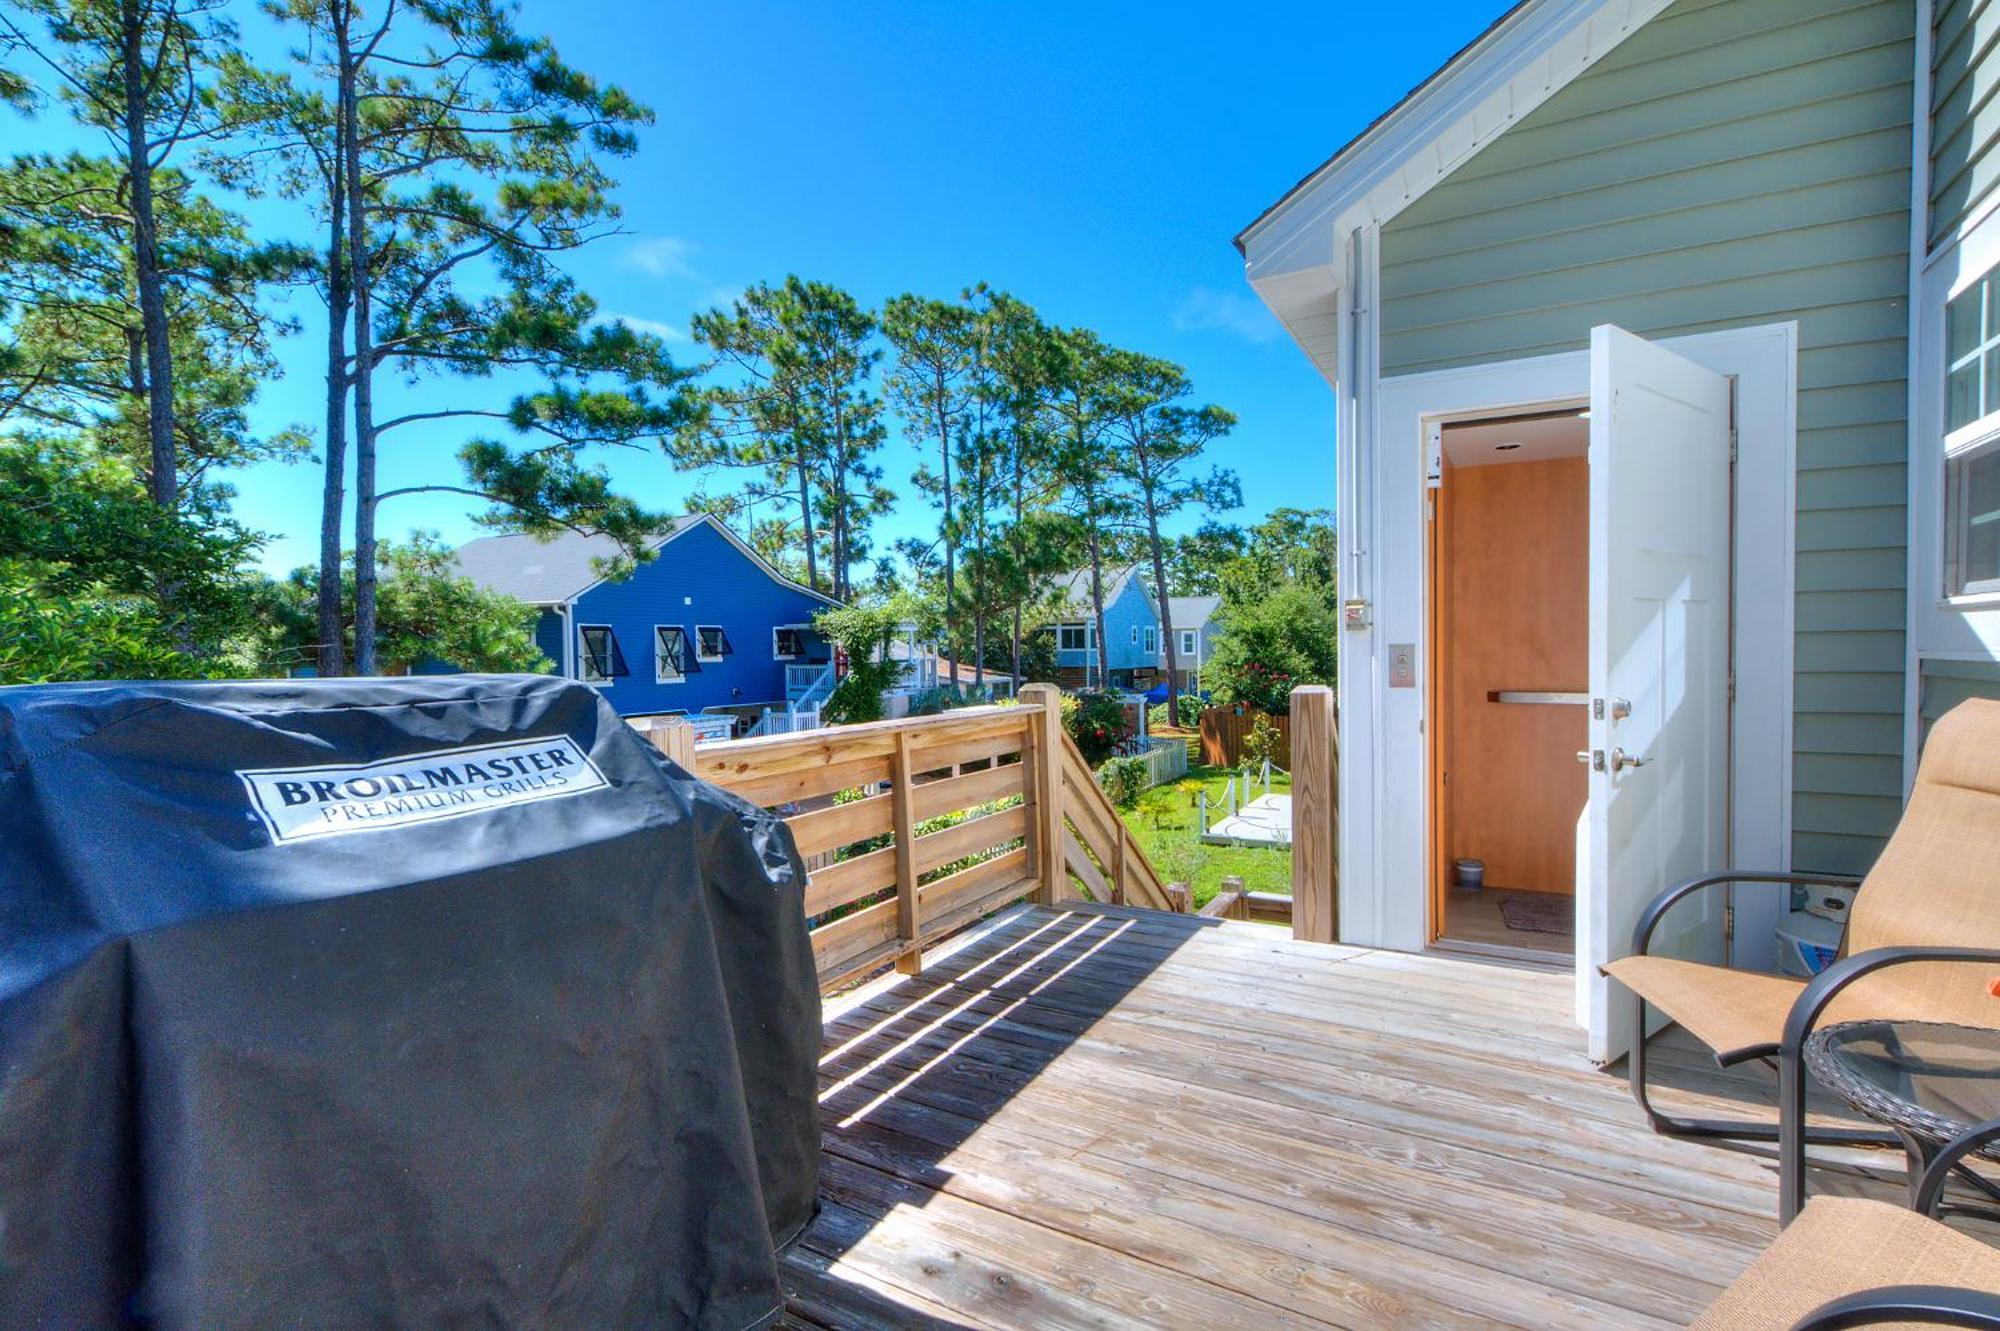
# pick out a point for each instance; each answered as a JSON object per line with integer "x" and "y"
{"x": 1937, "y": 1085}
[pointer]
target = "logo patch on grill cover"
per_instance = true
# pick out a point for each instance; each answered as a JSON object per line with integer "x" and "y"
{"x": 298, "y": 803}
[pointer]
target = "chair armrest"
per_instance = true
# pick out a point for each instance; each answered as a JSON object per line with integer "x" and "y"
{"x": 1656, "y": 909}
{"x": 1823, "y": 987}
{"x": 1936, "y": 1305}
{"x": 1930, "y": 1189}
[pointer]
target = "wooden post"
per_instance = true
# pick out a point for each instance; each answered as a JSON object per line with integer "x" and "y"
{"x": 673, "y": 736}
{"x": 1046, "y": 746}
{"x": 1180, "y": 898}
{"x": 1118, "y": 858}
{"x": 909, "y": 933}
{"x": 1315, "y": 816}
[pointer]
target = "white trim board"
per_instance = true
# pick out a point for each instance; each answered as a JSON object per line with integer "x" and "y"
{"x": 1385, "y": 792}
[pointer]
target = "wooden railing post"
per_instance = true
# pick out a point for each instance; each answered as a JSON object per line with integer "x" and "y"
{"x": 1315, "y": 815}
{"x": 909, "y": 931}
{"x": 1118, "y": 868}
{"x": 673, "y": 736}
{"x": 1045, "y": 786}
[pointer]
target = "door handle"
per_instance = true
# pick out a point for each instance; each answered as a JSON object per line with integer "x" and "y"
{"x": 1621, "y": 760}
{"x": 1594, "y": 758}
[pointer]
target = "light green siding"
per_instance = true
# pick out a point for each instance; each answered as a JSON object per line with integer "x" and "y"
{"x": 1733, "y": 162}
{"x": 1965, "y": 116}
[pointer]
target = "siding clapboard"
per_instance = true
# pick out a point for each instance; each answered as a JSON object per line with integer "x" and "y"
{"x": 1733, "y": 162}
{"x": 1965, "y": 115}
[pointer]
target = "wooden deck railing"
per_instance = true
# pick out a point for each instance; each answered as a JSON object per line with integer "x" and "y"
{"x": 923, "y": 825}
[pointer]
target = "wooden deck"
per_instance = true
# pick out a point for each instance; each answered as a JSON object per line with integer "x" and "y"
{"x": 1110, "y": 1118}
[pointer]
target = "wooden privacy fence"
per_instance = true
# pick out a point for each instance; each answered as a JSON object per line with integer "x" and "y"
{"x": 1223, "y": 732}
{"x": 933, "y": 822}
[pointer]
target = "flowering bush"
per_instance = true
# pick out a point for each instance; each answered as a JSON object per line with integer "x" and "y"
{"x": 1096, "y": 721}
{"x": 1266, "y": 688}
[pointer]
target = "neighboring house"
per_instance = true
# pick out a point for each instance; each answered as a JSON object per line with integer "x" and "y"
{"x": 1138, "y": 650}
{"x": 1194, "y": 633}
{"x": 1131, "y": 630}
{"x": 1765, "y": 511}
{"x": 706, "y": 623}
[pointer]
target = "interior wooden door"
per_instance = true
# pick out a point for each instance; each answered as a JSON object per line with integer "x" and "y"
{"x": 1513, "y": 549}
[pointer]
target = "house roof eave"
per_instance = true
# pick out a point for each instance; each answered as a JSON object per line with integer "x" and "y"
{"x": 1532, "y": 51}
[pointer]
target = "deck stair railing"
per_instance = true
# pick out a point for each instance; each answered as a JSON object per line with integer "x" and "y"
{"x": 932, "y": 822}
{"x": 808, "y": 685}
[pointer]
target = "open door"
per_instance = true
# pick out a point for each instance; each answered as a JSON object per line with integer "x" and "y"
{"x": 1659, "y": 661}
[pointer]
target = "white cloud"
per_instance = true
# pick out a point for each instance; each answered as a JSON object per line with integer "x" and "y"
{"x": 666, "y": 332}
{"x": 662, "y": 256}
{"x": 1207, "y": 310}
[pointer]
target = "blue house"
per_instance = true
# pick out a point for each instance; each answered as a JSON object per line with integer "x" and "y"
{"x": 1137, "y": 651}
{"x": 706, "y": 624}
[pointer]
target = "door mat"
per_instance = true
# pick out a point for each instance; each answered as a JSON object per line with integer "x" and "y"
{"x": 1539, "y": 912}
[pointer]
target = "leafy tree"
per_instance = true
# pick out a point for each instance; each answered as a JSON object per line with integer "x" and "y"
{"x": 793, "y": 409}
{"x": 133, "y": 70}
{"x": 1080, "y": 408}
{"x": 863, "y": 634}
{"x": 1161, "y": 445}
{"x": 1267, "y": 647}
{"x": 1288, "y": 546}
{"x": 429, "y": 612}
{"x": 74, "y": 360}
{"x": 930, "y": 384}
{"x": 465, "y": 160}
{"x": 84, "y": 554}
{"x": 1198, "y": 562}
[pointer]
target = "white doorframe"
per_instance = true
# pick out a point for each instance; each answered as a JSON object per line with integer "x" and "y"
{"x": 1384, "y": 894}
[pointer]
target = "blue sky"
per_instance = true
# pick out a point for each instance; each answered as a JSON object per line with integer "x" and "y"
{"x": 1095, "y": 160}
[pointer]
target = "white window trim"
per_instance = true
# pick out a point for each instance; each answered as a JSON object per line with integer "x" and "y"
{"x": 777, "y": 629}
{"x": 705, "y": 657}
{"x": 659, "y": 661}
{"x": 1135, "y": 635}
{"x": 1189, "y": 647}
{"x": 1942, "y": 625}
{"x": 583, "y": 657}
{"x": 1152, "y": 647}
{"x": 1089, "y": 638}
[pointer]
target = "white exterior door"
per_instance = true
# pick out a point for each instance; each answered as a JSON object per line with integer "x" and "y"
{"x": 1660, "y": 519}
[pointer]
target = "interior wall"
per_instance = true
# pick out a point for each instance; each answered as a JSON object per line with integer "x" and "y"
{"x": 1514, "y": 566}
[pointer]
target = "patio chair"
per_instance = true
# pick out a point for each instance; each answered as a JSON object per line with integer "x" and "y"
{"x": 1930, "y": 905}
{"x": 1847, "y": 1262}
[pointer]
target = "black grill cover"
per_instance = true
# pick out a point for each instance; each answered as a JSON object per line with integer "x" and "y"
{"x": 415, "y": 1003}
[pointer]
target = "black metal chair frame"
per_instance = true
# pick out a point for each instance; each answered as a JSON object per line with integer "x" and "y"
{"x": 1757, "y": 1130}
{"x": 1936, "y": 1305}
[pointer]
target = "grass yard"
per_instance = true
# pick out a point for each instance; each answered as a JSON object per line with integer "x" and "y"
{"x": 1163, "y": 823}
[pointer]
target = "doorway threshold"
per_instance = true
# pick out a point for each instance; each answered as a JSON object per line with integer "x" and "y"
{"x": 1539, "y": 958}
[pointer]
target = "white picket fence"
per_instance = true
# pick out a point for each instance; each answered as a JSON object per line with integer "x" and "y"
{"x": 1166, "y": 760}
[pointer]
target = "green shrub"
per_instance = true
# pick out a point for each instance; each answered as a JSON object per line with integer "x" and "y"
{"x": 1156, "y": 717}
{"x": 1263, "y": 743}
{"x": 1124, "y": 780}
{"x": 1191, "y": 708}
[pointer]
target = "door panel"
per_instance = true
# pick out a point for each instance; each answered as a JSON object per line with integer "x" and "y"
{"x": 1659, "y": 661}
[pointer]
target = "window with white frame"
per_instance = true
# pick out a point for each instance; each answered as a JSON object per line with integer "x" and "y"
{"x": 669, "y": 653}
{"x": 710, "y": 642}
{"x": 1152, "y": 640}
{"x": 787, "y": 644}
{"x": 1073, "y": 637}
{"x": 1187, "y": 642}
{"x": 1972, "y": 439}
{"x": 1135, "y": 635}
{"x": 597, "y": 663}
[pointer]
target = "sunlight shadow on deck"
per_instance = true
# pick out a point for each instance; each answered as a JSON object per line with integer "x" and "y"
{"x": 922, "y": 1065}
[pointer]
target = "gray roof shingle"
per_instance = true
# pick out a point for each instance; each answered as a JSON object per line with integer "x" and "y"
{"x": 540, "y": 572}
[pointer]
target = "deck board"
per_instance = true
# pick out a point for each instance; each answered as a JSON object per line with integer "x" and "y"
{"x": 1108, "y": 1118}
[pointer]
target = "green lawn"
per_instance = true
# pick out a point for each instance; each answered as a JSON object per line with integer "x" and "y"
{"x": 1164, "y": 825}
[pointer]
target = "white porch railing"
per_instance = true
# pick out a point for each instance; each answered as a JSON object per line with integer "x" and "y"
{"x": 775, "y": 722}
{"x": 808, "y": 685}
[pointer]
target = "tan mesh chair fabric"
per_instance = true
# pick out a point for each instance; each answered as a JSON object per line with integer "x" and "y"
{"x": 1843, "y": 1245}
{"x": 1936, "y": 883}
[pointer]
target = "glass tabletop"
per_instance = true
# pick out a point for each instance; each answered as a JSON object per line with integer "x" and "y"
{"x": 1910, "y": 1071}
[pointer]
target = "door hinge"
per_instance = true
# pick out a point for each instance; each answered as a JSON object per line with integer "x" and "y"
{"x": 1732, "y": 686}
{"x": 1434, "y": 456}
